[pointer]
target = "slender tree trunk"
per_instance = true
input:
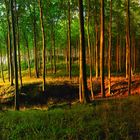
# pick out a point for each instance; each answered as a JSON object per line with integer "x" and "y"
{"x": 9, "y": 42}
{"x": 35, "y": 44}
{"x": 127, "y": 58}
{"x": 120, "y": 54}
{"x": 96, "y": 41}
{"x": 83, "y": 77}
{"x": 43, "y": 44}
{"x": 53, "y": 48}
{"x": 51, "y": 56}
{"x": 13, "y": 10}
{"x": 19, "y": 56}
{"x": 128, "y": 44}
{"x": 2, "y": 73}
{"x": 8, "y": 59}
{"x": 109, "y": 49}
{"x": 28, "y": 56}
{"x": 117, "y": 53}
{"x": 134, "y": 52}
{"x": 69, "y": 39}
{"x": 102, "y": 49}
{"x": 89, "y": 48}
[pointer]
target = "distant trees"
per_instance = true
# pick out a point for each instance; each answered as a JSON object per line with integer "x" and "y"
{"x": 107, "y": 40}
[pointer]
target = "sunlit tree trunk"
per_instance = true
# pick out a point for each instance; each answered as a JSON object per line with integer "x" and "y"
{"x": 43, "y": 44}
{"x": 7, "y": 4}
{"x": 120, "y": 54}
{"x": 13, "y": 10}
{"x": 96, "y": 41}
{"x": 8, "y": 58}
{"x": 102, "y": 49}
{"x": 117, "y": 52}
{"x": 134, "y": 52}
{"x": 2, "y": 73}
{"x": 128, "y": 45}
{"x": 28, "y": 56}
{"x": 53, "y": 49}
{"x": 109, "y": 49}
{"x": 89, "y": 48}
{"x": 83, "y": 77}
{"x": 19, "y": 56}
{"x": 69, "y": 39}
{"x": 35, "y": 43}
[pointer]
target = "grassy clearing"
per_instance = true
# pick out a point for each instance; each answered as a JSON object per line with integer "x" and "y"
{"x": 112, "y": 120}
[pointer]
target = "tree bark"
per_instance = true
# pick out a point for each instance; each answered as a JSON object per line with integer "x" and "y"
{"x": 128, "y": 44}
{"x": 9, "y": 42}
{"x": 89, "y": 48}
{"x": 35, "y": 44}
{"x": 19, "y": 56}
{"x": 69, "y": 39}
{"x": 13, "y": 10}
{"x": 83, "y": 96}
{"x": 8, "y": 59}
{"x": 109, "y": 49}
{"x": 43, "y": 44}
{"x": 28, "y": 56}
{"x": 2, "y": 73}
{"x": 102, "y": 49}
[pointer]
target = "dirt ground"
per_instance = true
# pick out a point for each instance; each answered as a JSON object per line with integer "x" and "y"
{"x": 64, "y": 90}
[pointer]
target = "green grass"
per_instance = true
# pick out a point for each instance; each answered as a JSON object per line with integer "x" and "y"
{"x": 112, "y": 120}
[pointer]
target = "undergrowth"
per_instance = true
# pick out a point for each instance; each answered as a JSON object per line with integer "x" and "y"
{"x": 111, "y": 120}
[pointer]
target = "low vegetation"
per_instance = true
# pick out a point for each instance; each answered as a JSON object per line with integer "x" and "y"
{"x": 113, "y": 119}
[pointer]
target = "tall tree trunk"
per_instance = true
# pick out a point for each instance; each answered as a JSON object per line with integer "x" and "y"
{"x": 35, "y": 44}
{"x": 120, "y": 54}
{"x": 19, "y": 56}
{"x": 96, "y": 41}
{"x": 9, "y": 41}
{"x": 89, "y": 48}
{"x": 117, "y": 53}
{"x": 134, "y": 52}
{"x": 28, "y": 56}
{"x": 128, "y": 44}
{"x": 127, "y": 56}
{"x": 109, "y": 49}
{"x": 102, "y": 49}
{"x": 13, "y": 10}
{"x": 8, "y": 59}
{"x": 2, "y": 67}
{"x": 53, "y": 49}
{"x": 43, "y": 44}
{"x": 83, "y": 77}
{"x": 69, "y": 39}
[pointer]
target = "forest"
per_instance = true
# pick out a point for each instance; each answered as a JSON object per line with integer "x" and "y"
{"x": 69, "y": 69}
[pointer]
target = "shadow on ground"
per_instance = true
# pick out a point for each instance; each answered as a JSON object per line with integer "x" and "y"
{"x": 33, "y": 94}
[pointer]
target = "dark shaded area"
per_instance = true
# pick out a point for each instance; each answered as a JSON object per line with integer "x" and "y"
{"x": 33, "y": 94}
{"x": 96, "y": 87}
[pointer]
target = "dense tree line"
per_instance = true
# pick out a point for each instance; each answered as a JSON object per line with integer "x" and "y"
{"x": 103, "y": 35}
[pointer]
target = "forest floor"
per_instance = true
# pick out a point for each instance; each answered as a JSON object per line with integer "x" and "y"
{"x": 57, "y": 115}
{"x": 64, "y": 91}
